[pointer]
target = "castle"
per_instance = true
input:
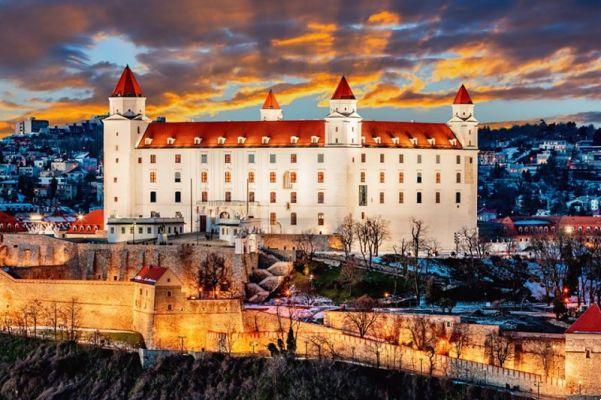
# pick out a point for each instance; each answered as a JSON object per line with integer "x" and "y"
{"x": 286, "y": 176}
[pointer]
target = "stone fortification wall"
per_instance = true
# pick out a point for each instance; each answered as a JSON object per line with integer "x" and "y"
{"x": 583, "y": 363}
{"x": 291, "y": 242}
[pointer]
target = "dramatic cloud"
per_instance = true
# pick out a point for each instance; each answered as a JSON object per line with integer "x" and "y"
{"x": 195, "y": 58}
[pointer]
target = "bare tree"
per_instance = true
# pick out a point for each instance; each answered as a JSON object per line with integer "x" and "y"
{"x": 350, "y": 274}
{"x": 361, "y": 318}
{"x": 545, "y": 353}
{"x": 421, "y": 332}
{"x": 409, "y": 252}
{"x": 229, "y": 338}
{"x": 306, "y": 243}
{"x": 346, "y": 233}
{"x": 379, "y": 232}
{"x": 324, "y": 347}
{"x": 375, "y": 348}
{"x": 460, "y": 338}
{"x": 370, "y": 235}
{"x": 499, "y": 347}
{"x": 52, "y": 316}
{"x": 34, "y": 312}
{"x": 213, "y": 275}
{"x": 71, "y": 317}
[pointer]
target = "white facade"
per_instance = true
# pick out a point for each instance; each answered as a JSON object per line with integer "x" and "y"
{"x": 299, "y": 183}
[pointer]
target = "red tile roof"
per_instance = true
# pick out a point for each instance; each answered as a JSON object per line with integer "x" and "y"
{"x": 10, "y": 224}
{"x": 463, "y": 96}
{"x": 343, "y": 91}
{"x": 88, "y": 224}
{"x": 270, "y": 102}
{"x": 588, "y": 322}
{"x": 280, "y": 132}
{"x": 149, "y": 274}
{"x": 127, "y": 86}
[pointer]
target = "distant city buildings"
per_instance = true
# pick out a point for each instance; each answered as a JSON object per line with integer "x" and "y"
{"x": 30, "y": 125}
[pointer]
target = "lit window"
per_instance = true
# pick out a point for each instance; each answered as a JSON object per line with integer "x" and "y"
{"x": 251, "y": 177}
{"x": 437, "y": 177}
{"x": 401, "y": 197}
{"x": 381, "y": 197}
{"x": 153, "y": 159}
{"x": 228, "y": 158}
{"x": 382, "y": 158}
{"x": 292, "y": 177}
{"x": 228, "y": 176}
{"x": 228, "y": 196}
{"x": 178, "y": 158}
{"x": 272, "y": 197}
{"x": 153, "y": 177}
{"x": 293, "y": 197}
{"x": 293, "y": 158}
{"x": 272, "y": 218}
{"x": 320, "y": 177}
{"x": 320, "y": 197}
{"x": 292, "y": 218}
{"x": 320, "y": 219}
{"x": 204, "y": 176}
{"x": 382, "y": 177}
{"x": 272, "y": 177}
{"x": 401, "y": 177}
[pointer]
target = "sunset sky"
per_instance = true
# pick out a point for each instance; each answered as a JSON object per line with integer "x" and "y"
{"x": 199, "y": 60}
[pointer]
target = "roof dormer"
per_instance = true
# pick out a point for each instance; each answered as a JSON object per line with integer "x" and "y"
{"x": 170, "y": 140}
{"x": 265, "y": 139}
{"x": 241, "y": 139}
{"x": 453, "y": 142}
{"x": 148, "y": 141}
{"x": 413, "y": 141}
{"x": 314, "y": 139}
{"x": 197, "y": 140}
{"x": 377, "y": 139}
{"x": 294, "y": 139}
{"x": 221, "y": 140}
{"x": 395, "y": 140}
{"x": 432, "y": 142}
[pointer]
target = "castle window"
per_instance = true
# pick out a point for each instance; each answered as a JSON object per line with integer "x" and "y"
{"x": 320, "y": 197}
{"x": 431, "y": 141}
{"x": 168, "y": 293}
{"x": 382, "y": 177}
{"x": 413, "y": 141}
{"x": 251, "y": 177}
{"x": 437, "y": 177}
{"x": 418, "y": 198}
{"x": 419, "y": 177}
{"x": 458, "y": 159}
{"x": 241, "y": 139}
{"x": 293, "y": 218}
{"x": 381, "y": 197}
{"x": 204, "y": 158}
{"x": 395, "y": 140}
{"x": 272, "y": 218}
{"x": 221, "y": 140}
{"x": 272, "y": 177}
{"x": 382, "y": 158}
{"x": 320, "y": 177}
{"x": 293, "y": 158}
{"x": 178, "y": 177}
{"x": 265, "y": 139}
{"x": 314, "y": 139}
{"x": 293, "y": 139}
{"x": 251, "y": 158}
{"x": 272, "y": 197}
{"x": 169, "y": 307}
{"x": 401, "y": 177}
{"x": 272, "y": 158}
{"x": 293, "y": 197}
{"x": 401, "y": 158}
{"x": 320, "y": 220}
{"x": 437, "y": 197}
{"x": 458, "y": 177}
{"x": 148, "y": 141}
{"x": 228, "y": 177}
{"x": 204, "y": 176}
{"x": 204, "y": 196}
{"x": 116, "y": 161}
{"x": 115, "y": 179}
{"x": 362, "y": 195}
{"x": 362, "y": 177}
{"x": 139, "y": 160}
{"x": 453, "y": 142}
{"x": 153, "y": 197}
{"x": 377, "y": 139}
{"x": 362, "y": 157}
{"x": 401, "y": 197}
{"x": 227, "y": 158}
{"x": 153, "y": 159}
{"x": 458, "y": 197}
{"x": 170, "y": 140}
{"x": 228, "y": 196}
{"x": 438, "y": 159}
{"x": 178, "y": 158}
{"x": 115, "y": 199}
{"x": 116, "y": 148}
{"x": 251, "y": 196}
{"x": 178, "y": 197}
{"x": 320, "y": 158}
{"x": 197, "y": 140}
{"x": 419, "y": 158}
{"x": 292, "y": 177}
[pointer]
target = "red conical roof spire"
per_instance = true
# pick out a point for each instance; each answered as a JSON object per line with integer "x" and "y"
{"x": 270, "y": 102}
{"x": 463, "y": 96}
{"x": 127, "y": 86}
{"x": 343, "y": 91}
{"x": 588, "y": 322}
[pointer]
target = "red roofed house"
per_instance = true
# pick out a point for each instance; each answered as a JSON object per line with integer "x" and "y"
{"x": 89, "y": 225}
{"x": 287, "y": 176}
{"x": 10, "y": 224}
{"x": 583, "y": 353}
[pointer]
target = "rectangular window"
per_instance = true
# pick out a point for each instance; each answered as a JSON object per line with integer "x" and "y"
{"x": 272, "y": 218}
{"x": 272, "y": 197}
{"x": 251, "y": 197}
{"x": 401, "y": 177}
{"x": 382, "y": 177}
{"x": 293, "y": 158}
{"x": 178, "y": 177}
{"x": 272, "y": 177}
{"x": 320, "y": 197}
{"x": 153, "y": 177}
{"x": 401, "y": 158}
{"x": 153, "y": 159}
{"x": 437, "y": 197}
{"x": 437, "y": 177}
{"x": 116, "y": 161}
{"x": 272, "y": 158}
{"x": 178, "y": 158}
{"x": 228, "y": 196}
{"x": 458, "y": 197}
{"x": 362, "y": 176}
{"x": 458, "y": 177}
{"x": 115, "y": 179}
{"x": 381, "y": 197}
{"x": 204, "y": 196}
{"x": 227, "y": 158}
{"x": 362, "y": 195}
{"x": 320, "y": 158}
{"x": 320, "y": 220}
{"x": 438, "y": 159}
{"x": 293, "y": 197}
{"x": 153, "y": 197}
{"x": 419, "y": 177}
{"x": 458, "y": 159}
{"x": 149, "y": 231}
{"x": 115, "y": 199}
{"x": 401, "y": 197}
{"x": 139, "y": 160}
{"x": 178, "y": 197}
{"x": 418, "y": 198}
{"x": 204, "y": 176}
{"x": 381, "y": 158}
{"x": 419, "y": 158}
{"x": 227, "y": 177}
{"x": 251, "y": 158}
{"x": 292, "y": 218}
{"x": 362, "y": 157}
{"x": 204, "y": 158}
{"x": 320, "y": 177}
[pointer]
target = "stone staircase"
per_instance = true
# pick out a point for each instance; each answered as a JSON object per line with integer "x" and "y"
{"x": 267, "y": 278}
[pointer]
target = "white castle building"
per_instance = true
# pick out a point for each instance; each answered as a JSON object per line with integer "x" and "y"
{"x": 281, "y": 176}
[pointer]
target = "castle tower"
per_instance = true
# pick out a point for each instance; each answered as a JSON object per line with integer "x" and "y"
{"x": 343, "y": 123}
{"x": 123, "y": 128}
{"x": 463, "y": 123}
{"x": 271, "y": 110}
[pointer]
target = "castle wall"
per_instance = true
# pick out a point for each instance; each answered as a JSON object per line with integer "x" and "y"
{"x": 583, "y": 363}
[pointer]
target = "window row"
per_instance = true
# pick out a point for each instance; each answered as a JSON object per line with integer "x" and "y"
{"x": 273, "y": 219}
{"x": 289, "y": 177}
{"x": 418, "y": 158}
{"x": 418, "y": 177}
{"x": 227, "y": 158}
{"x": 204, "y": 196}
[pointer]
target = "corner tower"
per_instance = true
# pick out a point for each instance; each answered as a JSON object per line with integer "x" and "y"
{"x": 463, "y": 123}
{"x": 123, "y": 128}
{"x": 343, "y": 123}
{"x": 271, "y": 110}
